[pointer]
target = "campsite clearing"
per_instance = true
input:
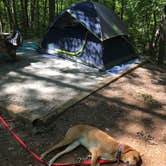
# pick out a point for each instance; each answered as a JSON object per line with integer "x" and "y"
{"x": 132, "y": 109}
{"x": 39, "y": 87}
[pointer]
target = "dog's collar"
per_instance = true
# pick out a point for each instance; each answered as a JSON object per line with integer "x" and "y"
{"x": 118, "y": 153}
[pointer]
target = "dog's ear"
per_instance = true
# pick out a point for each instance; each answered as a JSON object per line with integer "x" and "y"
{"x": 127, "y": 148}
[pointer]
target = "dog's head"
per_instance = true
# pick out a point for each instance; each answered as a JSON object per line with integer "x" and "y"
{"x": 130, "y": 156}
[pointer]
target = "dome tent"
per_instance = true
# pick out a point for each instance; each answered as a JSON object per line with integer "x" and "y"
{"x": 90, "y": 33}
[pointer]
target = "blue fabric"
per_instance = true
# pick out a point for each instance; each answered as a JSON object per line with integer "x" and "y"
{"x": 72, "y": 39}
{"x": 28, "y": 46}
{"x": 86, "y": 14}
{"x": 119, "y": 68}
{"x": 69, "y": 39}
{"x": 69, "y": 31}
{"x": 55, "y": 56}
{"x": 93, "y": 52}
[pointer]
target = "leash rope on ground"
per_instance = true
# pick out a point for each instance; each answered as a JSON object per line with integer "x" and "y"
{"x": 36, "y": 156}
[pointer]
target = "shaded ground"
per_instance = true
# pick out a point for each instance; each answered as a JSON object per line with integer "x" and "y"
{"x": 132, "y": 109}
{"x": 36, "y": 86}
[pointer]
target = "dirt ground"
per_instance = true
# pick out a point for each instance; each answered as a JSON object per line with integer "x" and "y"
{"x": 132, "y": 109}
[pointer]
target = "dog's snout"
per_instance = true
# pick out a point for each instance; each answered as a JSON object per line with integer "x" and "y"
{"x": 128, "y": 164}
{"x": 138, "y": 164}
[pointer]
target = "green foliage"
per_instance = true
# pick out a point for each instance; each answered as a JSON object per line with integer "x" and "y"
{"x": 141, "y": 17}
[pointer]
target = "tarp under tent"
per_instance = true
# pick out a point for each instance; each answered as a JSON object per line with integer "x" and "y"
{"x": 90, "y": 33}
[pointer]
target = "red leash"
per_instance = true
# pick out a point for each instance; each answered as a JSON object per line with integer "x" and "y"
{"x": 37, "y": 157}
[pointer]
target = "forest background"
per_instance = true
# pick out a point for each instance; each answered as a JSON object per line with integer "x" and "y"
{"x": 144, "y": 19}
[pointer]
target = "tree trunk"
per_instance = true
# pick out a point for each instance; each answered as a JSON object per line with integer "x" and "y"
{"x": 37, "y": 17}
{"x": 113, "y": 5}
{"x": 26, "y": 13}
{"x": 8, "y": 7}
{"x": 57, "y": 7}
{"x": 122, "y": 9}
{"x": 32, "y": 10}
{"x": 162, "y": 39}
{"x": 45, "y": 12}
{"x": 61, "y": 4}
{"x": 162, "y": 52}
{"x": 14, "y": 14}
{"x": 51, "y": 11}
{"x": 25, "y": 25}
{"x": 1, "y": 24}
{"x": 152, "y": 43}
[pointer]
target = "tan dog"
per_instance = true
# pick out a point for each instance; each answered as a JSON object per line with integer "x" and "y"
{"x": 100, "y": 144}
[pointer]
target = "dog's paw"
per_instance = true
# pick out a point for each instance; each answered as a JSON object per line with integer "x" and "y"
{"x": 50, "y": 163}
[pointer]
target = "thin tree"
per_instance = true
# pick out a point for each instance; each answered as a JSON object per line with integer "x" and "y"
{"x": 162, "y": 39}
{"x": 7, "y": 4}
{"x": 32, "y": 10}
{"x": 122, "y": 9}
{"x": 51, "y": 11}
{"x": 24, "y": 11}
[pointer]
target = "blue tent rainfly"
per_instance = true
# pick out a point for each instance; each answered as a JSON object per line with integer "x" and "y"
{"x": 90, "y": 33}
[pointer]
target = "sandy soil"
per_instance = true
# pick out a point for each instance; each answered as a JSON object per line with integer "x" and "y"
{"x": 132, "y": 109}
